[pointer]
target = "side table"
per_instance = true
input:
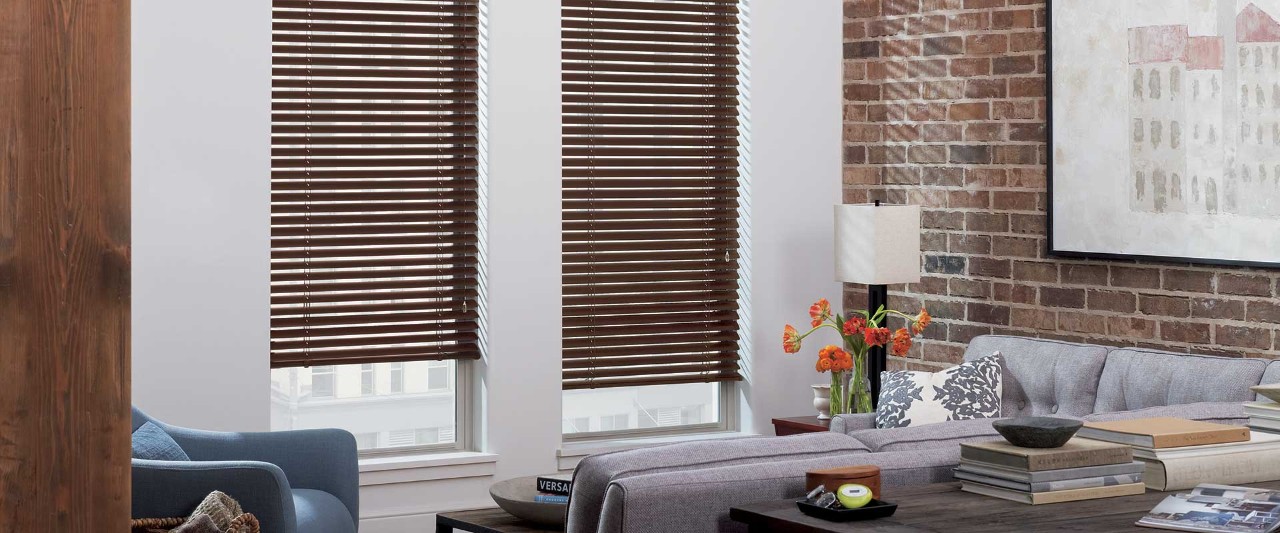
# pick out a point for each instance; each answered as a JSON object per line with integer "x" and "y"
{"x": 487, "y": 521}
{"x": 800, "y": 424}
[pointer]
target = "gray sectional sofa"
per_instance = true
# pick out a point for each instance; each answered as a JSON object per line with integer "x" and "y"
{"x": 691, "y": 486}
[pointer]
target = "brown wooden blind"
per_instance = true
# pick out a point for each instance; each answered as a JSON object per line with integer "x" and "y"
{"x": 651, "y": 185}
{"x": 373, "y": 181}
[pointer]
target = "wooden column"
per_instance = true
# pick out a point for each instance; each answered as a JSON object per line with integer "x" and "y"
{"x": 64, "y": 265}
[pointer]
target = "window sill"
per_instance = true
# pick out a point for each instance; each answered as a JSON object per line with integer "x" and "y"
{"x": 572, "y": 452}
{"x": 426, "y": 467}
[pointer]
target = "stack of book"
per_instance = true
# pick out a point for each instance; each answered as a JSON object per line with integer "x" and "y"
{"x": 1179, "y": 454}
{"x": 1080, "y": 470}
{"x": 1264, "y": 417}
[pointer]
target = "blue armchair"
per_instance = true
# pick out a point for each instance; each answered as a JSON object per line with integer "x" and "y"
{"x": 292, "y": 481}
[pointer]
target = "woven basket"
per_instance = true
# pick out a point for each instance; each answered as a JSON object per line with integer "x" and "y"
{"x": 245, "y": 523}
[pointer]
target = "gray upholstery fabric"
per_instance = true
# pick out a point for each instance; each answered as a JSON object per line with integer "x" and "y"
{"x": 594, "y": 473}
{"x": 850, "y": 423}
{"x": 1044, "y": 377}
{"x": 699, "y": 500}
{"x": 1137, "y": 379}
{"x": 1219, "y": 412}
{"x": 946, "y": 434}
{"x": 151, "y": 442}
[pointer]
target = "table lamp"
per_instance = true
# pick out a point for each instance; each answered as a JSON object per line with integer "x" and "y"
{"x": 877, "y": 245}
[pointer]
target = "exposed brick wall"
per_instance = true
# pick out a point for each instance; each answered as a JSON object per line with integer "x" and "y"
{"x": 945, "y": 107}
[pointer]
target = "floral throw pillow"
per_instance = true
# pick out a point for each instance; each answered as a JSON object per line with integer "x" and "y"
{"x": 964, "y": 392}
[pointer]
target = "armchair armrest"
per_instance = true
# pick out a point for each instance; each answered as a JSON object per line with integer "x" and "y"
{"x": 849, "y": 423}
{"x": 320, "y": 459}
{"x": 166, "y": 489}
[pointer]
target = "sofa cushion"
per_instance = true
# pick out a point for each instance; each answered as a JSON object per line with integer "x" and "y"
{"x": 1221, "y": 412}
{"x": 150, "y": 441}
{"x": 926, "y": 437}
{"x": 1044, "y": 377}
{"x": 1137, "y": 379}
{"x": 963, "y": 392}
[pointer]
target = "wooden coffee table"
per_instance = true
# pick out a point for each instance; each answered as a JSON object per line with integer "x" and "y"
{"x": 943, "y": 507}
{"x": 800, "y": 424}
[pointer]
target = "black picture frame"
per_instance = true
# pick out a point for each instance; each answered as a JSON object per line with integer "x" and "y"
{"x": 1052, "y": 249}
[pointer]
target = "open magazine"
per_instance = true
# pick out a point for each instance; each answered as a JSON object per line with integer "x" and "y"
{"x": 1214, "y": 508}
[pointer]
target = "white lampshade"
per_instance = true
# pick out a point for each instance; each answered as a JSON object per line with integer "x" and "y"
{"x": 878, "y": 245}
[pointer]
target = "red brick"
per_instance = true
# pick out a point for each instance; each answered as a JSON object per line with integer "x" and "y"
{"x": 1078, "y": 274}
{"x": 1082, "y": 323}
{"x": 987, "y": 88}
{"x": 1014, "y": 65}
{"x": 1014, "y": 293}
{"x": 1015, "y": 246}
{"x": 968, "y": 288}
{"x": 970, "y": 66}
{"x": 943, "y": 132}
{"x": 1114, "y": 301}
{"x": 1123, "y": 326}
{"x": 1016, "y": 19}
{"x": 1187, "y": 280}
{"x": 1035, "y": 272}
{"x": 1015, "y": 200}
{"x": 970, "y": 200}
{"x": 1024, "y": 87}
{"x": 984, "y": 131}
{"x": 1243, "y": 336}
{"x": 856, "y": 9}
{"x": 986, "y": 222}
{"x": 970, "y": 21}
{"x": 1139, "y": 278}
{"x": 1244, "y": 285}
{"x": 1174, "y": 306}
{"x": 1263, "y": 311}
{"x": 990, "y": 43}
{"x": 1217, "y": 308}
{"x": 970, "y": 111}
{"x": 1032, "y": 41}
{"x": 988, "y": 314}
{"x": 990, "y": 268}
{"x": 943, "y": 46}
{"x": 1034, "y": 319}
{"x": 1187, "y": 332}
{"x": 1060, "y": 297}
{"x": 901, "y": 7}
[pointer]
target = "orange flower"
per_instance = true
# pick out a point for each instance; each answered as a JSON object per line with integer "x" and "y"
{"x": 790, "y": 339}
{"x": 824, "y": 364}
{"x": 876, "y": 336}
{"x": 820, "y": 311}
{"x": 901, "y": 342}
{"x": 828, "y": 351}
{"x": 922, "y": 321}
{"x": 854, "y": 325}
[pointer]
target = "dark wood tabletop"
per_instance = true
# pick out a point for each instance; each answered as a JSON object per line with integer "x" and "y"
{"x": 943, "y": 507}
{"x": 800, "y": 424}
{"x": 487, "y": 521}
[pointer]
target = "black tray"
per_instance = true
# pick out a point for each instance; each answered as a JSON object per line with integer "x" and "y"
{"x": 871, "y": 511}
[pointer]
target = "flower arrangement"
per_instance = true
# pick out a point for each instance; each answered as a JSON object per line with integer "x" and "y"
{"x": 860, "y": 331}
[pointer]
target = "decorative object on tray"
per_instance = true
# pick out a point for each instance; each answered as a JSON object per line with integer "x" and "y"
{"x": 1077, "y": 470}
{"x": 821, "y": 503}
{"x": 1037, "y": 431}
{"x": 962, "y": 392}
{"x": 859, "y": 331}
{"x": 822, "y": 401}
{"x": 217, "y": 513}
{"x": 520, "y": 498}
{"x": 1270, "y": 392}
{"x": 1172, "y": 465}
{"x": 1218, "y": 508}
{"x": 866, "y": 475}
{"x": 1163, "y": 432}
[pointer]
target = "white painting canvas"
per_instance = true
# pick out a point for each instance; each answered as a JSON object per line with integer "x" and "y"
{"x": 1166, "y": 129}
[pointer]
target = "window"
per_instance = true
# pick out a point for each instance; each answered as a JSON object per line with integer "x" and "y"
{"x": 653, "y": 167}
{"x": 397, "y": 378}
{"x": 322, "y": 382}
{"x": 375, "y": 207}
{"x": 366, "y": 379}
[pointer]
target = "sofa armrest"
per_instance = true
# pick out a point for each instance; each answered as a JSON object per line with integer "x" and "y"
{"x": 700, "y": 500}
{"x": 320, "y": 459}
{"x": 849, "y": 423}
{"x": 168, "y": 489}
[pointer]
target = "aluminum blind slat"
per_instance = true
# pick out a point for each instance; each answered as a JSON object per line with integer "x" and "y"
{"x": 374, "y": 185}
{"x": 650, "y": 192}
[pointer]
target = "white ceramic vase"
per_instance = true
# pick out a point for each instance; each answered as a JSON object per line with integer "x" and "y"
{"x": 822, "y": 401}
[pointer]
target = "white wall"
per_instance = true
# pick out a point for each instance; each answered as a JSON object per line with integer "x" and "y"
{"x": 201, "y": 207}
{"x": 795, "y": 150}
{"x": 201, "y": 123}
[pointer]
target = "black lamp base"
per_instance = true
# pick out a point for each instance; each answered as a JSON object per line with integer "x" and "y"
{"x": 878, "y": 356}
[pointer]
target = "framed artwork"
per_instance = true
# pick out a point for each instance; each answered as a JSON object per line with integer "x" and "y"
{"x": 1164, "y": 130}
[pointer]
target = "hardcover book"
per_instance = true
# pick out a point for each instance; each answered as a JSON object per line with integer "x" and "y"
{"x": 1062, "y": 496}
{"x": 1051, "y": 486}
{"x": 558, "y": 484}
{"x": 1022, "y": 476}
{"x": 1075, "y": 453}
{"x": 1163, "y": 432}
{"x": 1256, "y": 442}
{"x": 1218, "y": 508}
{"x": 1186, "y": 472}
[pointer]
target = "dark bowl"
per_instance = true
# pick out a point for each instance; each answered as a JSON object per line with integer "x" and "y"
{"x": 1037, "y": 431}
{"x": 873, "y": 510}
